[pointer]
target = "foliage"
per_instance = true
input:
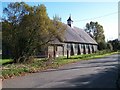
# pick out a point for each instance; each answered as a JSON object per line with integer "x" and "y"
{"x": 13, "y": 15}
{"x": 96, "y": 31}
{"x": 60, "y": 27}
{"x": 26, "y": 29}
{"x": 115, "y": 44}
{"x": 15, "y": 11}
{"x": 102, "y": 45}
{"x": 109, "y": 46}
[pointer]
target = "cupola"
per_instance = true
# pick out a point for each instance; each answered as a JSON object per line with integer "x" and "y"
{"x": 70, "y": 21}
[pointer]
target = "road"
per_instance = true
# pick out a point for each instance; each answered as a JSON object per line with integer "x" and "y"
{"x": 95, "y": 73}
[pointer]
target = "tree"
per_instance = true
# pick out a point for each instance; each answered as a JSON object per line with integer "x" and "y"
{"x": 0, "y": 39}
{"x": 15, "y": 11}
{"x": 30, "y": 29}
{"x": 109, "y": 46}
{"x": 60, "y": 27}
{"x": 96, "y": 31}
{"x": 115, "y": 44}
{"x": 13, "y": 15}
{"x": 7, "y": 39}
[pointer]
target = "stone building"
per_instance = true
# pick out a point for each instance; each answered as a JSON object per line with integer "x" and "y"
{"x": 76, "y": 41}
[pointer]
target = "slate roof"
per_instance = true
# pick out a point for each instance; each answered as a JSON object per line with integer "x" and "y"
{"x": 75, "y": 35}
{"x": 57, "y": 42}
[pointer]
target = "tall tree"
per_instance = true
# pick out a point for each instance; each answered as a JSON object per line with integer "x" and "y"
{"x": 96, "y": 31}
{"x": 12, "y": 16}
{"x": 28, "y": 32}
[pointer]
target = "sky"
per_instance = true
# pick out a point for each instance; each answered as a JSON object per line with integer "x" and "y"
{"x": 105, "y": 13}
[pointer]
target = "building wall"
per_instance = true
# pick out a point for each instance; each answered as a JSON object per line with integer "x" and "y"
{"x": 95, "y": 48}
{"x": 76, "y": 49}
{"x": 59, "y": 51}
{"x": 86, "y": 48}
{"x": 51, "y": 50}
{"x": 56, "y": 51}
{"x": 90, "y": 48}
{"x": 65, "y": 50}
{"x": 71, "y": 49}
{"x": 81, "y": 48}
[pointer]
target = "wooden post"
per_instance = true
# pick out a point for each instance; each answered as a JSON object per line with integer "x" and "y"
{"x": 63, "y": 50}
{"x": 54, "y": 51}
{"x": 67, "y": 52}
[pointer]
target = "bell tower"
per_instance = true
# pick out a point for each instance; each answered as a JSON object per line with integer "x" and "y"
{"x": 70, "y": 22}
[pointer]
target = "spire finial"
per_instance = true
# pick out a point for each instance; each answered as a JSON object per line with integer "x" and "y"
{"x": 70, "y": 15}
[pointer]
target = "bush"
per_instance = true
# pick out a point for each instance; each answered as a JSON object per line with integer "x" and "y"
{"x": 102, "y": 46}
{"x": 109, "y": 46}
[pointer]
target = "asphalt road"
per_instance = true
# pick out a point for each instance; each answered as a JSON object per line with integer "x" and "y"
{"x": 95, "y": 73}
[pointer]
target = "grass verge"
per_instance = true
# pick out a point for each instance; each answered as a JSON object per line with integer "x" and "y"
{"x": 12, "y": 70}
{"x": 5, "y": 61}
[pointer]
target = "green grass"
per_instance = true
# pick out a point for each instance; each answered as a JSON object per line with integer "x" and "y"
{"x": 76, "y": 58}
{"x": 5, "y": 61}
{"x": 92, "y": 56}
{"x": 38, "y": 64}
